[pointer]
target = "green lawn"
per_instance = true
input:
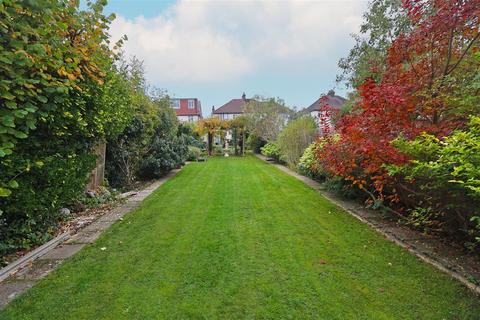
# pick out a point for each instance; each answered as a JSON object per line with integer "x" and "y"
{"x": 238, "y": 239}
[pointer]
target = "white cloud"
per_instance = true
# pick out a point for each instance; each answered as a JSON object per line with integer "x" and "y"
{"x": 214, "y": 41}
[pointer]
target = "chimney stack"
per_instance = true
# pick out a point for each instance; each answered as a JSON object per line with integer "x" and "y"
{"x": 244, "y": 97}
{"x": 331, "y": 92}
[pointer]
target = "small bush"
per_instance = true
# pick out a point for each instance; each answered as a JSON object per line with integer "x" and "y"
{"x": 309, "y": 165}
{"x": 218, "y": 150}
{"x": 126, "y": 152}
{"x": 295, "y": 138}
{"x": 151, "y": 145}
{"x": 230, "y": 150}
{"x": 271, "y": 150}
{"x": 192, "y": 138}
{"x": 443, "y": 176}
{"x": 194, "y": 153}
{"x": 421, "y": 218}
{"x": 166, "y": 154}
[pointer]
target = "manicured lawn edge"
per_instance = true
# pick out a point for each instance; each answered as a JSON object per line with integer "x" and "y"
{"x": 234, "y": 239}
{"x": 346, "y": 205}
{"x": 26, "y": 264}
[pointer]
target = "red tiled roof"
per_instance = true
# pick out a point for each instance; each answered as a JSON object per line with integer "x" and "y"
{"x": 184, "y": 110}
{"x": 330, "y": 99}
{"x": 233, "y": 106}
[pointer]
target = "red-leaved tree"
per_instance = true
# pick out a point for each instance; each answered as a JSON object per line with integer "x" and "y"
{"x": 426, "y": 79}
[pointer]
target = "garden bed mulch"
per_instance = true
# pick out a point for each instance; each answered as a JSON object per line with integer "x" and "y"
{"x": 69, "y": 239}
{"x": 81, "y": 220}
{"x": 445, "y": 255}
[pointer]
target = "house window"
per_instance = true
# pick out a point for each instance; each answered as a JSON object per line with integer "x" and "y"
{"x": 191, "y": 104}
{"x": 176, "y": 104}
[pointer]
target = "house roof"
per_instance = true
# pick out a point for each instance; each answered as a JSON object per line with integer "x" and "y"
{"x": 329, "y": 99}
{"x": 232, "y": 106}
{"x": 237, "y": 106}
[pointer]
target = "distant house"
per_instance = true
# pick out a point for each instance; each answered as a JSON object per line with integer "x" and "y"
{"x": 187, "y": 109}
{"x": 236, "y": 107}
{"x": 324, "y": 108}
{"x": 231, "y": 109}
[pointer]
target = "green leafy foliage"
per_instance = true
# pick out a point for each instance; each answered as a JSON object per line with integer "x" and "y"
{"x": 272, "y": 151}
{"x": 444, "y": 175}
{"x": 255, "y": 143}
{"x": 295, "y": 138}
{"x": 153, "y": 142}
{"x": 192, "y": 138}
{"x": 60, "y": 94}
{"x": 126, "y": 150}
{"x": 194, "y": 153}
{"x": 382, "y": 23}
{"x": 266, "y": 117}
{"x": 308, "y": 165}
{"x": 166, "y": 154}
{"x": 32, "y": 211}
{"x": 49, "y": 49}
{"x": 218, "y": 150}
{"x": 168, "y": 149}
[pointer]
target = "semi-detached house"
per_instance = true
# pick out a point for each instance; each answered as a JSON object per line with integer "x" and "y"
{"x": 187, "y": 109}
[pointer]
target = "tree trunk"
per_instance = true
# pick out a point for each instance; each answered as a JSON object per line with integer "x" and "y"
{"x": 210, "y": 138}
{"x": 235, "y": 140}
{"x": 243, "y": 141}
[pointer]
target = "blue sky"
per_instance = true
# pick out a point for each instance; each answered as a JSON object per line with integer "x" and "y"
{"x": 215, "y": 50}
{"x": 135, "y": 8}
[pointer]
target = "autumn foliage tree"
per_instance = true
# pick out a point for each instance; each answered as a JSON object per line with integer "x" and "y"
{"x": 430, "y": 85}
{"x": 210, "y": 127}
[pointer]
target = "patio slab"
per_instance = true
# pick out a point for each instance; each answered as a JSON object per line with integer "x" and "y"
{"x": 11, "y": 289}
{"x": 62, "y": 252}
{"x": 37, "y": 270}
{"x": 84, "y": 237}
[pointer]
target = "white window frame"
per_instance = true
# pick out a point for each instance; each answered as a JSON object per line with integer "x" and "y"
{"x": 176, "y": 104}
{"x": 191, "y": 104}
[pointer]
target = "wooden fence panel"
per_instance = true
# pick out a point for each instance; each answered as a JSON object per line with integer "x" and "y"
{"x": 98, "y": 174}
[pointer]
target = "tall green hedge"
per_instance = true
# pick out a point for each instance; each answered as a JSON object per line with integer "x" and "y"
{"x": 60, "y": 94}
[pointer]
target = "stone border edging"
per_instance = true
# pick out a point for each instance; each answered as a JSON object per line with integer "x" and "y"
{"x": 11, "y": 268}
{"x": 437, "y": 264}
{"x": 22, "y": 274}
